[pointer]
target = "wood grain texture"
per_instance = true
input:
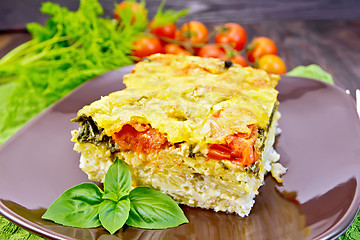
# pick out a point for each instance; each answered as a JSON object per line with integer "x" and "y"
{"x": 15, "y": 14}
{"x": 323, "y": 32}
{"x": 332, "y": 44}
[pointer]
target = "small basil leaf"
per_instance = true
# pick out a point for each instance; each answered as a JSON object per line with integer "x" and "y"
{"x": 118, "y": 179}
{"x": 311, "y": 71}
{"x": 77, "y": 207}
{"x": 113, "y": 215}
{"x": 111, "y": 196}
{"x": 152, "y": 209}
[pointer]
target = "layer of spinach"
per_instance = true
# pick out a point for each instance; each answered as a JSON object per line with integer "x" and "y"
{"x": 89, "y": 132}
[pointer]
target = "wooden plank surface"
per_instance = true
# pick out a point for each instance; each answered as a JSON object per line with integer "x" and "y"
{"x": 15, "y": 14}
{"x": 323, "y": 32}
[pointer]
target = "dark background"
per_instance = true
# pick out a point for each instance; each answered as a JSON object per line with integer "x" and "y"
{"x": 323, "y": 32}
{"x": 14, "y": 14}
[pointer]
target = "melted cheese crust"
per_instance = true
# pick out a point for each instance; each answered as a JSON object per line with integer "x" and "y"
{"x": 190, "y": 99}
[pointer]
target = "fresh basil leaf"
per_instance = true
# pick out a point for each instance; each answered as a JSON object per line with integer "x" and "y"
{"x": 111, "y": 196}
{"x": 118, "y": 179}
{"x": 152, "y": 209}
{"x": 113, "y": 215}
{"x": 77, "y": 207}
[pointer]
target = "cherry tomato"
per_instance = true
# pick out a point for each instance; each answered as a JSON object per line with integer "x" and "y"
{"x": 146, "y": 46}
{"x": 219, "y": 152}
{"x": 259, "y": 47}
{"x": 135, "y": 8}
{"x": 166, "y": 31}
{"x": 173, "y": 48}
{"x": 211, "y": 50}
{"x": 178, "y": 34}
{"x": 195, "y": 32}
{"x": 232, "y": 34}
{"x": 239, "y": 60}
{"x": 272, "y": 64}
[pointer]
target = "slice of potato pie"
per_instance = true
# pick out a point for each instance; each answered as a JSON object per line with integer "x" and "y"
{"x": 198, "y": 129}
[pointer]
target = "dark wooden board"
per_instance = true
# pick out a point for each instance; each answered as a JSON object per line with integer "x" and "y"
{"x": 15, "y": 14}
{"x": 323, "y": 32}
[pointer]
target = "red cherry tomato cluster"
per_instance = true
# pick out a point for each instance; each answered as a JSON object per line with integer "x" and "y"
{"x": 262, "y": 52}
{"x": 229, "y": 42}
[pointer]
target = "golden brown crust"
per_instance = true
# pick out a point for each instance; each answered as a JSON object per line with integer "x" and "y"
{"x": 179, "y": 95}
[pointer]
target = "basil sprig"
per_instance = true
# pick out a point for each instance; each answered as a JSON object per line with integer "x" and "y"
{"x": 87, "y": 206}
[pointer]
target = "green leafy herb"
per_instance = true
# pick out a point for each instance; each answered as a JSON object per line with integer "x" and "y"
{"x": 87, "y": 206}
{"x": 113, "y": 215}
{"x": 168, "y": 16}
{"x": 153, "y": 210}
{"x": 311, "y": 71}
{"x": 118, "y": 180}
{"x": 77, "y": 207}
{"x": 71, "y": 48}
{"x": 110, "y": 196}
{"x": 132, "y": 13}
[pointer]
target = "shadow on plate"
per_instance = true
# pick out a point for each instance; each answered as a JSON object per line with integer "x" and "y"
{"x": 273, "y": 217}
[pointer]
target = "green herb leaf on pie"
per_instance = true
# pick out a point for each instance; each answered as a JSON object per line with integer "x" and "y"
{"x": 151, "y": 209}
{"x": 77, "y": 207}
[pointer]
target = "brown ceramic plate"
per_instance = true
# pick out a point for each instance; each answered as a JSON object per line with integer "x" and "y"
{"x": 319, "y": 145}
